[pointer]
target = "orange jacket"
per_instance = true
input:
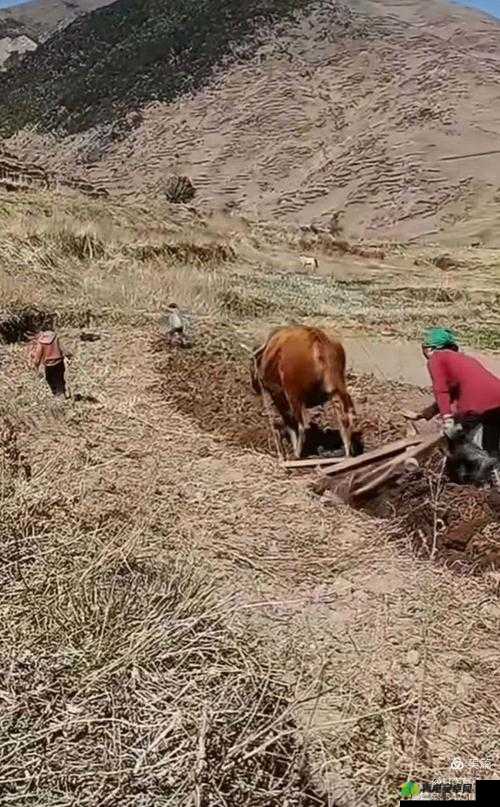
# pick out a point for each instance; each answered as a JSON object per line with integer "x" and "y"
{"x": 46, "y": 349}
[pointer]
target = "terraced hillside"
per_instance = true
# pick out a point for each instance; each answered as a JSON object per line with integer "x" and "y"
{"x": 291, "y": 111}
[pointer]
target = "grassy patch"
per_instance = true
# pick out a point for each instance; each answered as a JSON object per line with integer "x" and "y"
{"x": 485, "y": 338}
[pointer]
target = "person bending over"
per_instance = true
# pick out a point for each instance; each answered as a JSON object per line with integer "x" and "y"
{"x": 467, "y": 395}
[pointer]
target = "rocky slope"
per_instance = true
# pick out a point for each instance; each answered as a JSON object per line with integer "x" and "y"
{"x": 23, "y": 27}
{"x": 292, "y": 109}
{"x": 131, "y": 53}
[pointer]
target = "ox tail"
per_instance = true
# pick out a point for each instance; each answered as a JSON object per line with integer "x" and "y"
{"x": 256, "y": 363}
{"x": 331, "y": 361}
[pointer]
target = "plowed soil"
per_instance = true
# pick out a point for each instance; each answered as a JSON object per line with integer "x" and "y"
{"x": 459, "y": 524}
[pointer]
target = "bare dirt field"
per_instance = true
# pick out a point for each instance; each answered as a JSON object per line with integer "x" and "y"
{"x": 182, "y": 621}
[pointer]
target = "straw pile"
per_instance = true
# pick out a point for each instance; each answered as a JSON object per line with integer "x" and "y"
{"x": 16, "y": 322}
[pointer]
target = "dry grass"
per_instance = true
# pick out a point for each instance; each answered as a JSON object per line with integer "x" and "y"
{"x": 183, "y": 624}
{"x": 161, "y": 598}
{"x": 124, "y": 263}
{"x": 91, "y": 261}
{"x": 136, "y": 682}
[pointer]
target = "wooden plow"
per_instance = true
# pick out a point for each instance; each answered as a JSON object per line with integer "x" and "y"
{"x": 354, "y": 478}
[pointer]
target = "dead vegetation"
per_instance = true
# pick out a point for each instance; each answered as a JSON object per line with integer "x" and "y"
{"x": 182, "y": 622}
{"x": 184, "y": 252}
{"x": 445, "y": 262}
{"x": 17, "y": 323}
{"x": 88, "y": 264}
{"x": 166, "y": 707}
{"x": 328, "y": 244}
{"x": 179, "y": 190}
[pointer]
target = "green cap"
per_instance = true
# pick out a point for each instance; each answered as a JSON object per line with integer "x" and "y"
{"x": 439, "y": 338}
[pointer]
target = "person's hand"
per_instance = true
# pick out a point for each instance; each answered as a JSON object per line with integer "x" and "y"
{"x": 450, "y": 428}
{"x": 409, "y": 414}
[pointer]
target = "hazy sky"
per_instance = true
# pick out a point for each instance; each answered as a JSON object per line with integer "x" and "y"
{"x": 493, "y": 6}
{"x": 6, "y": 3}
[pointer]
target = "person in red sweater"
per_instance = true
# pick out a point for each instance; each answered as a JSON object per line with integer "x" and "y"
{"x": 467, "y": 395}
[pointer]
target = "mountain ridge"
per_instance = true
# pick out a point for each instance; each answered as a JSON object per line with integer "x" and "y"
{"x": 23, "y": 27}
{"x": 375, "y": 108}
{"x": 130, "y": 54}
{"x": 40, "y": 18}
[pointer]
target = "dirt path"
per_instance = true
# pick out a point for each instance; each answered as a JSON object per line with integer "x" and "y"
{"x": 399, "y": 361}
{"x": 399, "y": 648}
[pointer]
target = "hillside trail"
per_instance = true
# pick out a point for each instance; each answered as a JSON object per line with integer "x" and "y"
{"x": 399, "y": 646}
{"x": 400, "y": 361}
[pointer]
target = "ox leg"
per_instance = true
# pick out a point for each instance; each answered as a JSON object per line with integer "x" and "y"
{"x": 281, "y": 404}
{"x": 298, "y": 414}
{"x": 301, "y": 438}
{"x": 297, "y": 439}
{"x": 345, "y": 438}
{"x": 345, "y": 419}
{"x": 290, "y": 421}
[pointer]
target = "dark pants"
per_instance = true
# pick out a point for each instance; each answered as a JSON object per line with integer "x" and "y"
{"x": 474, "y": 455}
{"x": 491, "y": 432}
{"x": 54, "y": 375}
{"x": 484, "y": 431}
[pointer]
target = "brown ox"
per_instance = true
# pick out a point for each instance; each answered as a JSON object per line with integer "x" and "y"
{"x": 300, "y": 368}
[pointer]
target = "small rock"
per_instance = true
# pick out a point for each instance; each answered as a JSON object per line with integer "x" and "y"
{"x": 330, "y": 499}
{"x": 445, "y": 262}
{"x": 412, "y": 658}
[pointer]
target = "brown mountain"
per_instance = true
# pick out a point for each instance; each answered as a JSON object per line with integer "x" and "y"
{"x": 23, "y": 27}
{"x": 388, "y": 110}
